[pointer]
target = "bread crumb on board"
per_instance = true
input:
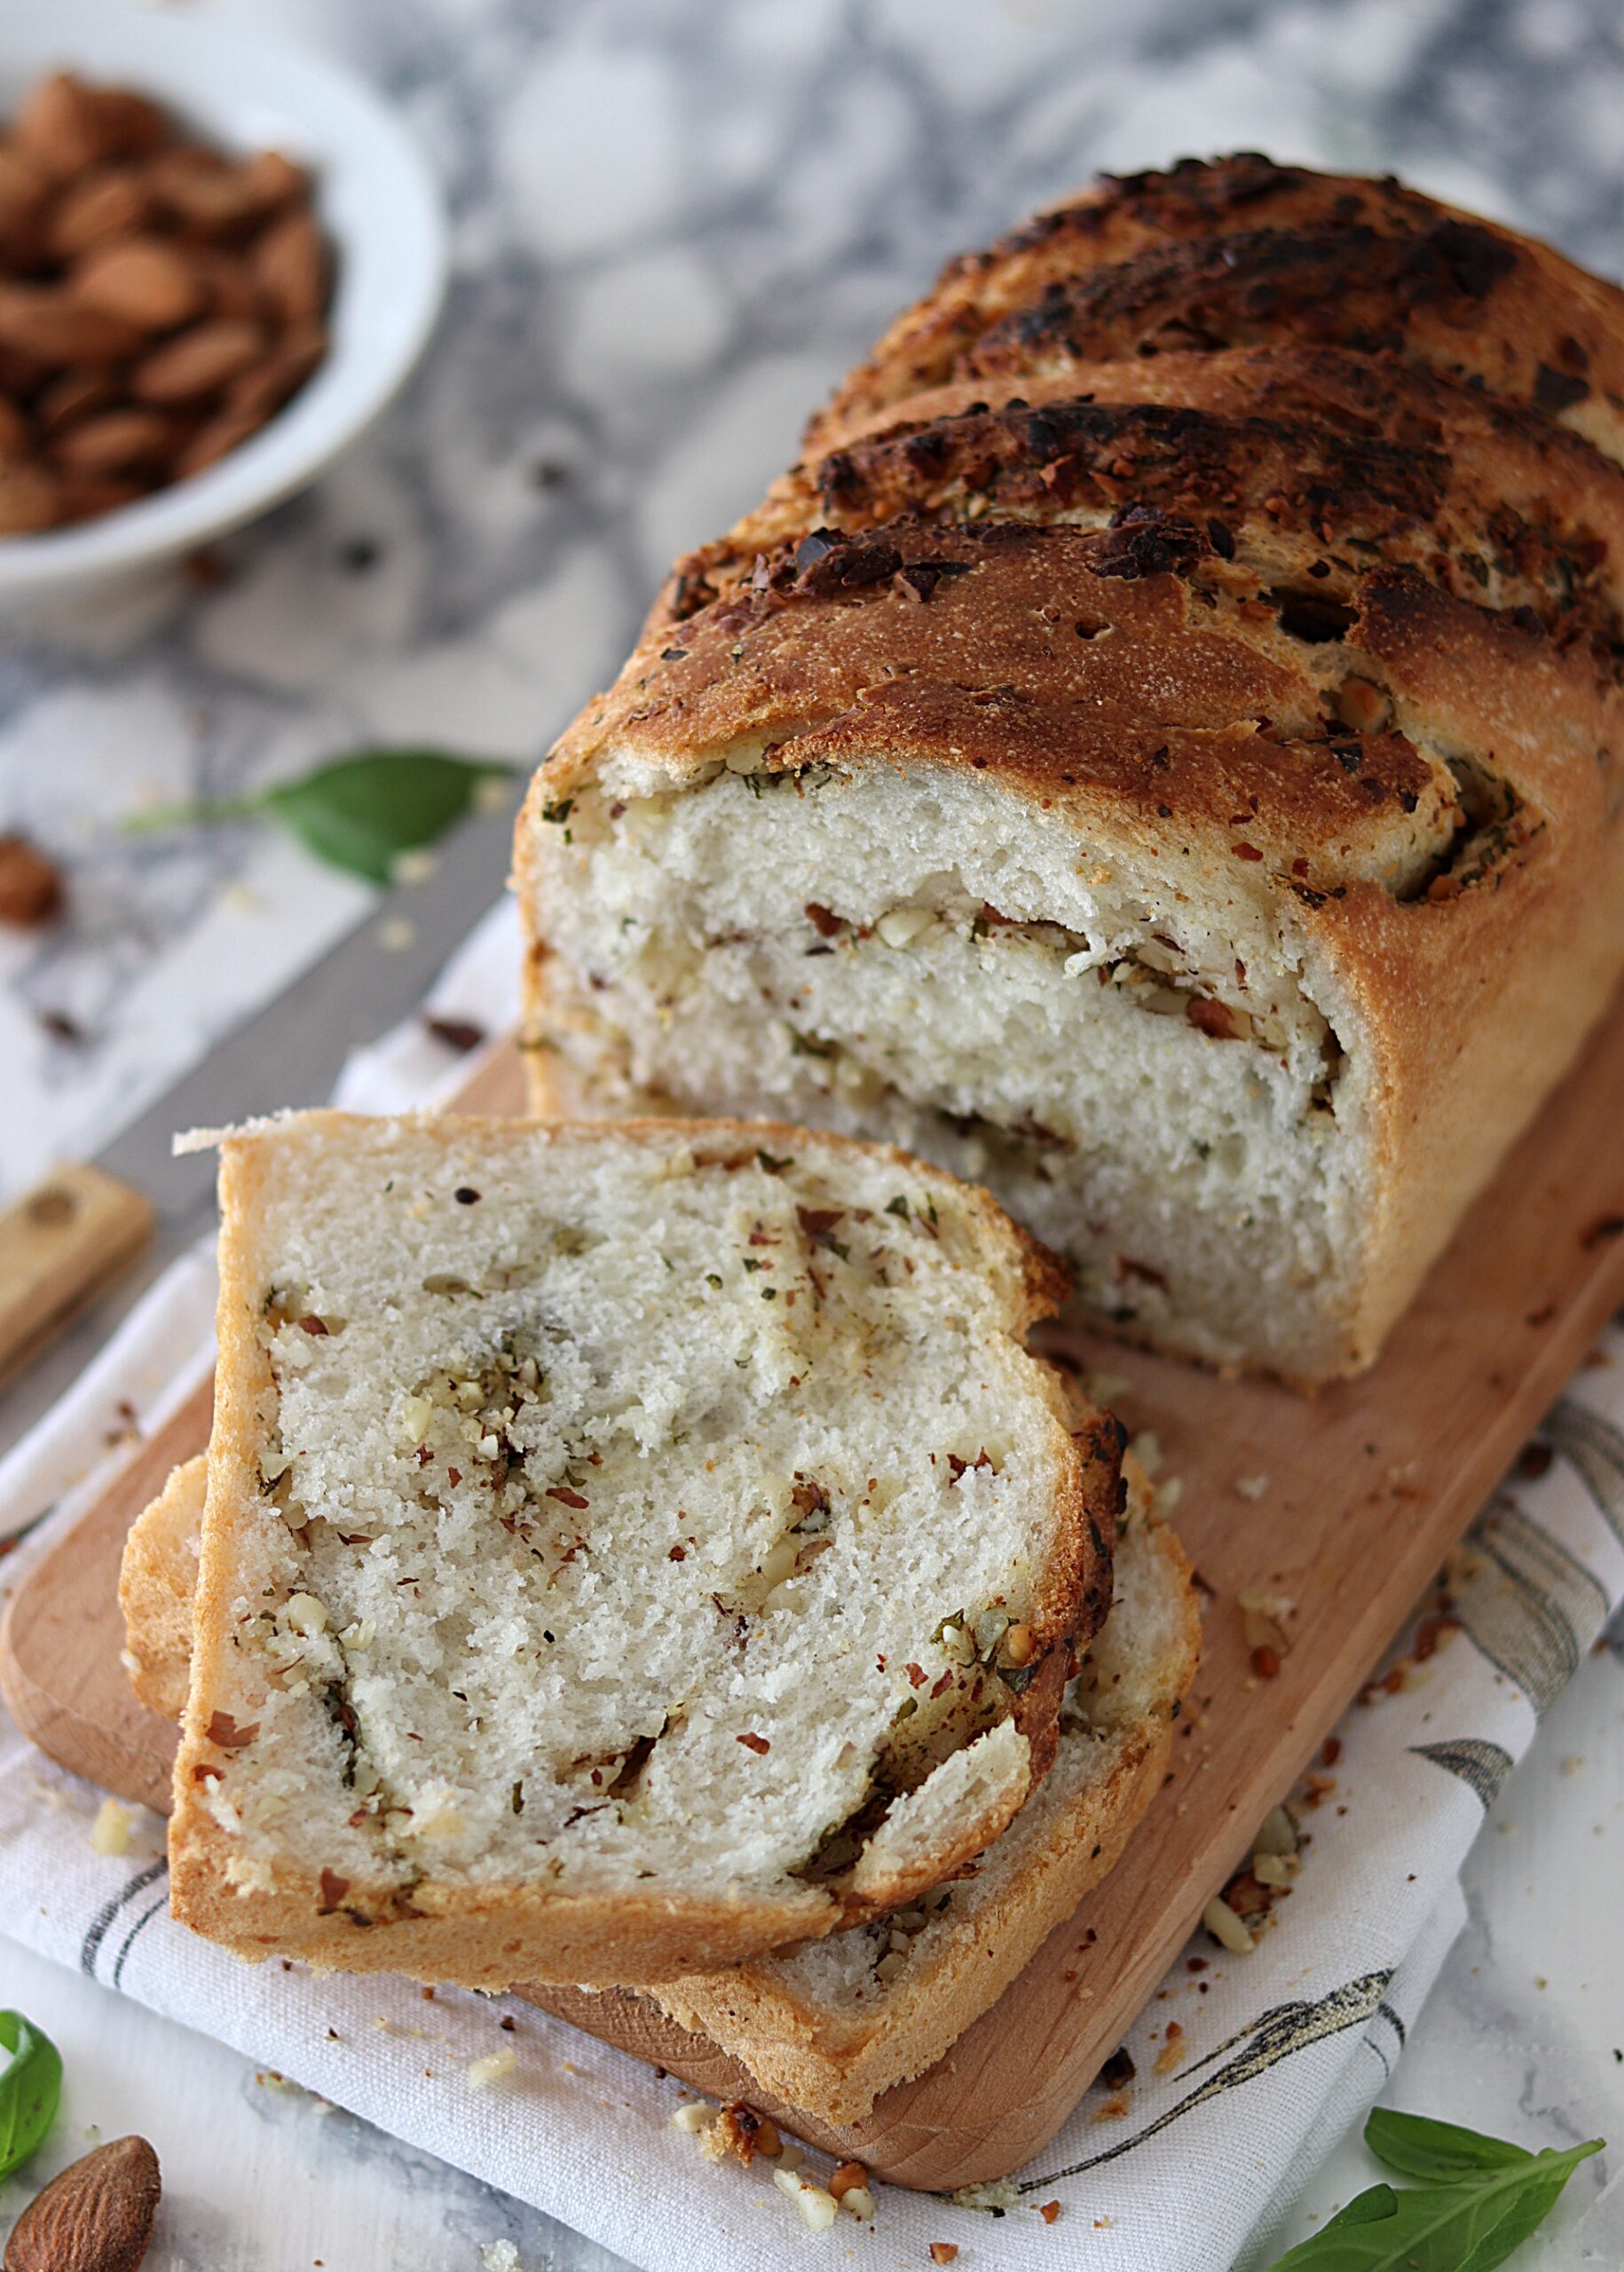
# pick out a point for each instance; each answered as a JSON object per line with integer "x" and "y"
{"x": 110, "y": 1831}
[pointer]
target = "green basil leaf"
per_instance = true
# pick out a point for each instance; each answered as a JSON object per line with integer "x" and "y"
{"x": 1470, "y": 2226}
{"x": 1419, "y": 2147}
{"x": 31, "y": 2087}
{"x": 1367, "y": 2208}
{"x": 359, "y": 813}
{"x": 1527, "y": 2209}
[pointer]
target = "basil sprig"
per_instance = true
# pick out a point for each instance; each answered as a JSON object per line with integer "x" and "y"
{"x": 1486, "y": 2197}
{"x": 359, "y": 813}
{"x": 30, "y": 2087}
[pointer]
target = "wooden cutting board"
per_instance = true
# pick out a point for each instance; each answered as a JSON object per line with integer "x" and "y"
{"x": 1367, "y": 1485}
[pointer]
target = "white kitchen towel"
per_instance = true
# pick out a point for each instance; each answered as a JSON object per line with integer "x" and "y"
{"x": 1245, "y": 2068}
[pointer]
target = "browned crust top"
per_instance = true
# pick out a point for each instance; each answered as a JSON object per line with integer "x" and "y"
{"x": 1212, "y": 253}
{"x": 1485, "y": 524}
{"x": 1131, "y": 667}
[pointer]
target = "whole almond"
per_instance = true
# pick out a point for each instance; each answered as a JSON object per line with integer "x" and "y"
{"x": 145, "y": 280}
{"x": 59, "y": 128}
{"x": 116, "y": 441}
{"x": 96, "y": 2217}
{"x": 110, "y": 203}
{"x": 30, "y": 501}
{"x": 30, "y": 885}
{"x": 203, "y": 192}
{"x": 197, "y": 363}
{"x": 43, "y": 322}
{"x": 290, "y": 263}
{"x": 14, "y": 436}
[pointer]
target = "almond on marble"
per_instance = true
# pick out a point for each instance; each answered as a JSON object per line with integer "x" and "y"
{"x": 96, "y": 2217}
{"x": 30, "y": 887}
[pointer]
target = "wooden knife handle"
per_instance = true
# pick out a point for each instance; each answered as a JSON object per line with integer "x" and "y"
{"x": 60, "y": 1245}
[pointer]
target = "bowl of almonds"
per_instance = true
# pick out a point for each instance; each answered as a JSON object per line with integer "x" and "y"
{"x": 218, "y": 262}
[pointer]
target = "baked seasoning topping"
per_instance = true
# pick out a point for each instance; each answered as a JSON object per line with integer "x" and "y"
{"x": 1143, "y": 541}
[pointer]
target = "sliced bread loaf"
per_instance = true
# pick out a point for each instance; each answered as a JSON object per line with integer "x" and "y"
{"x": 626, "y": 1550}
{"x": 829, "y": 2026}
{"x": 1158, "y": 755}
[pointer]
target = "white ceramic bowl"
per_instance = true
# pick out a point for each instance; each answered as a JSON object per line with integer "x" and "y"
{"x": 376, "y": 200}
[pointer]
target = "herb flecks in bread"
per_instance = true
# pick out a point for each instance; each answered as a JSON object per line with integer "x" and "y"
{"x": 1158, "y": 753}
{"x": 625, "y": 1548}
{"x": 830, "y": 2026}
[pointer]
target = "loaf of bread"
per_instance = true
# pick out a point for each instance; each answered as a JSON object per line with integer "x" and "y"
{"x": 1158, "y": 755}
{"x": 626, "y": 1550}
{"x": 829, "y": 2026}
{"x": 832, "y": 2024}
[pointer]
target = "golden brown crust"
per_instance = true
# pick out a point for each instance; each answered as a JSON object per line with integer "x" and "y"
{"x": 1242, "y": 251}
{"x": 357, "y": 1916}
{"x": 1129, "y": 676}
{"x": 1075, "y": 1596}
{"x": 1313, "y": 461}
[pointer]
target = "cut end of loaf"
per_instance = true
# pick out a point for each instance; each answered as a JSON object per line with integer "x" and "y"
{"x": 616, "y": 1538}
{"x": 1133, "y": 1062}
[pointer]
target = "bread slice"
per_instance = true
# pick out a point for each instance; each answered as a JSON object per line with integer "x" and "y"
{"x": 626, "y": 1550}
{"x": 829, "y": 2026}
{"x": 822, "y": 2026}
{"x": 1160, "y": 754}
{"x": 157, "y": 1589}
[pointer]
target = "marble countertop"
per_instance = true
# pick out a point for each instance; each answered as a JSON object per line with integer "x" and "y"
{"x": 675, "y": 222}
